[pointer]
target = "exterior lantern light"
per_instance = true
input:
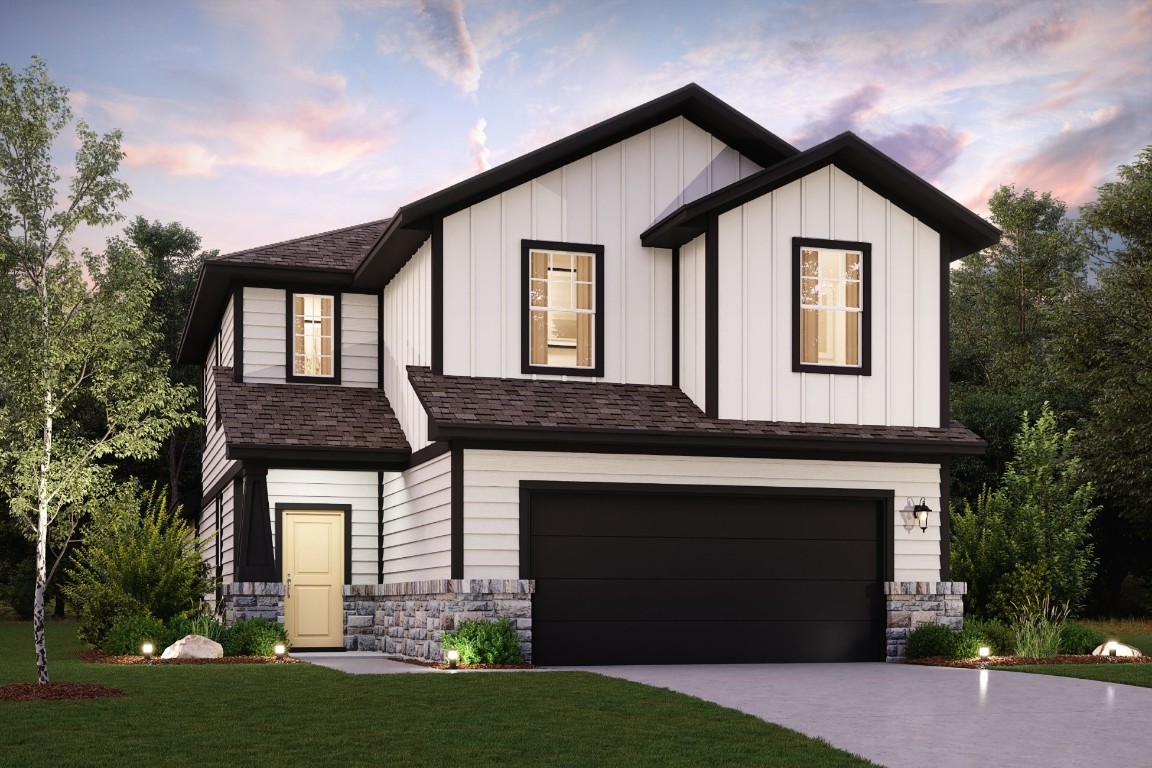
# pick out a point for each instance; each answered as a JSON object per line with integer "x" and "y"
{"x": 453, "y": 658}
{"x": 921, "y": 511}
{"x": 147, "y": 649}
{"x": 280, "y": 651}
{"x": 984, "y": 652}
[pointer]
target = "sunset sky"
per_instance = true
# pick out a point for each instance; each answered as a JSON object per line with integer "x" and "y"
{"x": 258, "y": 121}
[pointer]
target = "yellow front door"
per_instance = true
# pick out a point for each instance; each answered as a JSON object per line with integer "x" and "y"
{"x": 314, "y": 578}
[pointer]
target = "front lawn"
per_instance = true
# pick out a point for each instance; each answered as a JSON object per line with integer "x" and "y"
{"x": 300, "y": 714}
{"x": 1128, "y": 674}
{"x": 1134, "y": 632}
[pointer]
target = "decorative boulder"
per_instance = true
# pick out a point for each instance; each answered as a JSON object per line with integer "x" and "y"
{"x": 193, "y": 647}
{"x": 1113, "y": 648}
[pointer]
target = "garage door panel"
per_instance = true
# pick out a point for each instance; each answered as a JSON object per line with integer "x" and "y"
{"x": 701, "y": 516}
{"x": 607, "y": 600}
{"x": 628, "y": 557}
{"x": 727, "y": 642}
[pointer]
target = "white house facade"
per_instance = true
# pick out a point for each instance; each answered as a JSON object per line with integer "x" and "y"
{"x": 667, "y": 377}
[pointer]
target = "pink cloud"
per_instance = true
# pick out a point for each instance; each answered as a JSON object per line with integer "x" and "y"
{"x": 183, "y": 159}
{"x": 477, "y": 142}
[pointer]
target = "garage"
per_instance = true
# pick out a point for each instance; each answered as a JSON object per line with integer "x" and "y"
{"x": 658, "y": 574}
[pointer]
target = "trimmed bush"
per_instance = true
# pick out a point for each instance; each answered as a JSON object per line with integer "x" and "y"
{"x": 128, "y": 633}
{"x": 205, "y": 626}
{"x": 998, "y": 636}
{"x": 929, "y": 640}
{"x": 253, "y": 637}
{"x": 1079, "y": 639}
{"x": 968, "y": 642}
{"x": 485, "y": 642}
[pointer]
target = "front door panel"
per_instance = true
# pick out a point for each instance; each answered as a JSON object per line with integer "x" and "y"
{"x": 314, "y": 577}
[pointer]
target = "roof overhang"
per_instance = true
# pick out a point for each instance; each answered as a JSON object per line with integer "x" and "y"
{"x": 321, "y": 457}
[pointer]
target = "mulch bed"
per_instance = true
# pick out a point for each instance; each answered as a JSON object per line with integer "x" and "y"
{"x": 1020, "y": 661}
{"x": 444, "y": 665}
{"x": 56, "y": 691}
{"x": 99, "y": 657}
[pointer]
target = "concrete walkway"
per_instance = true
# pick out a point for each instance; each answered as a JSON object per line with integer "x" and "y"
{"x": 905, "y": 716}
{"x": 360, "y": 663}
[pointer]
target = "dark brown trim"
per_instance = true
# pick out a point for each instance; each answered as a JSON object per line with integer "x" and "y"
{"x": 380, "y": 339}
{"x": 290, "y": 506}
{"x": 712, "y": 318}
{"x": 945, "y": 520}
{"x": 884, "y": 497}
{"x": 457, "y": 513}
{"x": 218, "y": 487}
{"x": 379, "y": 527}
{"x": 945, "y": 336}
{"x": 238, "y": 334}
{"x": 289, "y": 338}
{"x": 218, "y": 503}
{"x": 437, "y": 277}
{"x": 427, "y": 453}
{"x": 526, "y": 366}
{"x": 306, "y": 457}
{"x": 676, "y": 316}
{"x": 865, "y": 367}
{"x": 255, "y": 552}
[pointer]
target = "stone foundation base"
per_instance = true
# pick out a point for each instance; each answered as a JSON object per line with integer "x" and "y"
{"x": 913, "y": 603}
{"x": 249, "y": 599}
{"x": 408, "y": 618}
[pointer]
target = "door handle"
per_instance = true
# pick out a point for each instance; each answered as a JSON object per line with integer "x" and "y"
{"x": 289, "y": 586}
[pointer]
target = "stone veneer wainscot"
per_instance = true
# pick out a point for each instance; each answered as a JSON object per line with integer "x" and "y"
{"x": 249, "y": 599}
{"x": 910, "y": 604}
{"x": 408, "y": 618}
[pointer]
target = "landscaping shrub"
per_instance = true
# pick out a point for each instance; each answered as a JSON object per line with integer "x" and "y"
{"x": 128, "y": 633}
{"x": 138, "y": 558}
{"x": 205, "y": 626}
{"x": 253, "y": 637}
{"x": 968, "y": 642}
{"x": 1037, "y": 628}
{"x": 997, "y": 635}
{"x": 485, "y": 642}
{"x": 931, "y": 640}
{"x": 1077, "y": 638}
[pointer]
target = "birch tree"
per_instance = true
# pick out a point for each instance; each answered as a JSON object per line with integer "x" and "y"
{"x": 79, "y": 382}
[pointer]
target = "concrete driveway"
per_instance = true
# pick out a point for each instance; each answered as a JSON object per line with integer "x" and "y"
{"x": 912, "y": 716}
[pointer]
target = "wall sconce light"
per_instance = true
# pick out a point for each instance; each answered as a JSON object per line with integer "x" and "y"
{"x": 453, "y": 658}
{"x": 280, "y": 651}
{"x": 147, "y": 649}
{"x": 920, "y": 511}
{"x": 984, "y": 652}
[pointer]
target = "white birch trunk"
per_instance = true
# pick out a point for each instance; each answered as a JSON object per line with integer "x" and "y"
{"x": 42, "y": 509}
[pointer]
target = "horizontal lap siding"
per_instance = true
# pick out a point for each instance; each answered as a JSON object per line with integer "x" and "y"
{"x": 359, "y": 330}
{"x": 608, "y": 198}
{"x": 755, "y": 313}
{"x": 492, "y": 496}
{"x": 417, "y": 522}
{"x": 408, "y": 341}
{"x": 358, "y": 489}
{"x": 226, "y": 337}
{"x": 265, "y": 321}
{"x": 208, "y": 531}
{"x": 213, "y": 463}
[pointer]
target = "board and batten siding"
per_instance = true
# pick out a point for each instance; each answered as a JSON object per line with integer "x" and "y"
{"x": 693, "y": 339}
{"x": 417, "y": 522}
{"x": 408, "y": 341}
{"x": 756, "y": 287}
{"x": 492, "y": 496}
{"x": 607, "y": 198}
{"x": 265, "y": 329}
{"x": 359, "y": 331}
{"x": 213, "y": 461}
{"x": 357, "y": 489}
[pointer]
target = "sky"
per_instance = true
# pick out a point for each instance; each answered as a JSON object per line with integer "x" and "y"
{"x": 256, "y": 121}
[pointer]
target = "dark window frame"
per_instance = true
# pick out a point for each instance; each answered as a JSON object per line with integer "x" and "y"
{"x": 526, "y": 366}
{"x": 865, "y": 249}
{"x": 289, "y": 338}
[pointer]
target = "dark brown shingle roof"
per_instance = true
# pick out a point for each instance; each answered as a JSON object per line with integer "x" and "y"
{"x": 306, "y": 416}
{"x": 457, "y": 404}
{"x": 338, "y": 249}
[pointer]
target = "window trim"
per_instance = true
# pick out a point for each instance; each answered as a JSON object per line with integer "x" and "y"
{"x": 289, "y": 350}
{"x": 597, "y": 252}
{"x": 865, "y": 250}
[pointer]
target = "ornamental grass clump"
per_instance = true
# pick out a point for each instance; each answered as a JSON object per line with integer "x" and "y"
{"x": 1038, "y": 626}
{"x": 485, "y": 642}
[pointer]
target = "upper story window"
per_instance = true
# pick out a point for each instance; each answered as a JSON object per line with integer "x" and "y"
{"x": 563, "y": 326}
{"x": 831, "y": 312}
{"x": 313, "y": 339}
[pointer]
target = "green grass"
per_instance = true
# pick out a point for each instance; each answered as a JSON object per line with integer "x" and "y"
{"x": 272, "y": 715}
{"x": 1127, "y": 674}
{"x": 1134, "y": 632}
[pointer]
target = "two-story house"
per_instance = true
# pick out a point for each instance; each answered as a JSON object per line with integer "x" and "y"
{"x": 666, "y": 390}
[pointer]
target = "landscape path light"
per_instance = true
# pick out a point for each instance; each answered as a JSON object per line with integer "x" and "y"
{"x": 453, "y": 658}
{"x": 147, "y": 649}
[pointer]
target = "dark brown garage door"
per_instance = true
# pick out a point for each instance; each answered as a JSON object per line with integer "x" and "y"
{"x": 651, "y": 575}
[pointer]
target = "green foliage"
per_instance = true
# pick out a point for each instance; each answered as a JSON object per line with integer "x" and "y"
{"x": 928, "y": 640}
{"x": 138, "y": 557}
{"x": 485, "y": 642}
{"x": 1037, "y": 627}
{"x": 968, "y": 642}
{"x": 129, "y": 632}
{"x": 1078, "y": 638}
{"x": 1029, "y": 539}
{"x": 202, "y": 624}
{"x": 253, "y": 637}
{"x": 998, "y": 636}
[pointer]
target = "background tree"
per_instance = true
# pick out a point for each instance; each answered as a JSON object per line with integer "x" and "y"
{"x": 1028, "y": 539}
{"x": 76, "y": 344}
{"x": 174, "y": 255}
{"x": 1002, "y": 316}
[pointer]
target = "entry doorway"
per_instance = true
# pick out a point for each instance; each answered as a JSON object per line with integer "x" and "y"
{"x": 314, "y": 567}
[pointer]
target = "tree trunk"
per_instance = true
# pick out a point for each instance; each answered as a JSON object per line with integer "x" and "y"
{"x": 42, "y": 547}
